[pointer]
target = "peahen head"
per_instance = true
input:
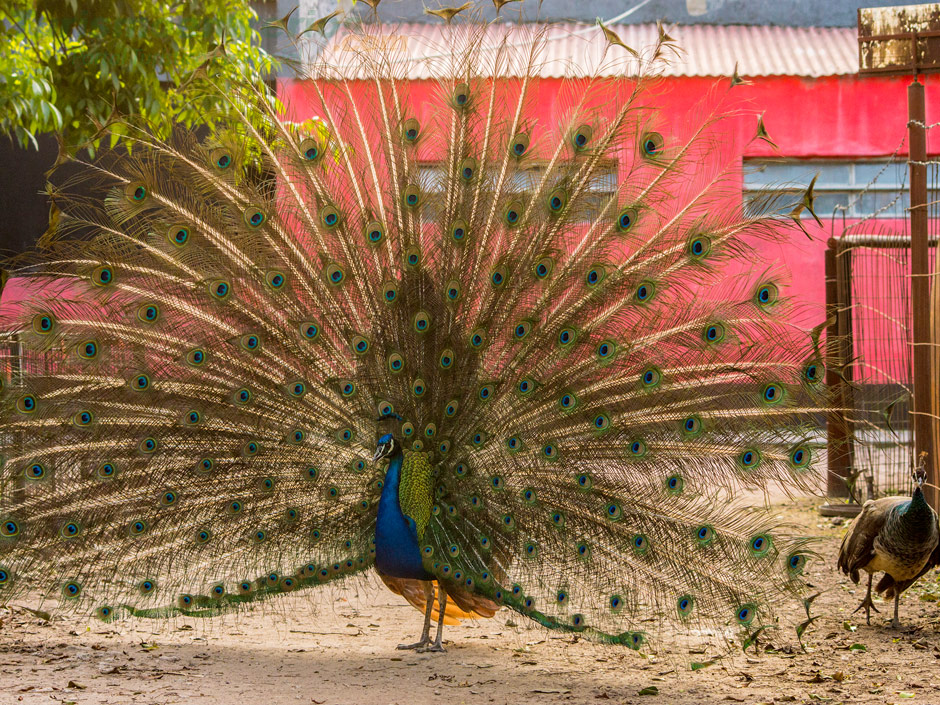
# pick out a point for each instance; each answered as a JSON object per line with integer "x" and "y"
{"x": 386, "y": 447}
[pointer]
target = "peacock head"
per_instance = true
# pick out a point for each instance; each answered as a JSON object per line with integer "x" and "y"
{"x": 386, "y": 448}
{"x": 920, "y": 475}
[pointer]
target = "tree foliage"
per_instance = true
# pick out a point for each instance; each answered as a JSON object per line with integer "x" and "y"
{"x": 69, "y": 66}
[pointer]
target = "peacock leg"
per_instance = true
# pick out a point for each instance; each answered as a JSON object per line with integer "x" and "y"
{"x": 441, "y": 605}
{"x": 426, "y": 632}
{"x": 896, "y": 622}
{"x": 867, "y": 603}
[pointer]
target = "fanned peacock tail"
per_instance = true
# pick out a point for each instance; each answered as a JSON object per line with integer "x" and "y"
{"x": 557, "y": 301}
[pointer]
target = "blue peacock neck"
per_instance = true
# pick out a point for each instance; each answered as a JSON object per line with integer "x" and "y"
{"x": 397, "y": 553}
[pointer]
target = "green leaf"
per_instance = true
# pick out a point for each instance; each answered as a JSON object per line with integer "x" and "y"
{"x": 697, "y": 666}
{"x": 649, "y": 690}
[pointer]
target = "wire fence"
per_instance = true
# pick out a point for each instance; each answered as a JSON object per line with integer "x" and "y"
{"x": 868, "y": 297}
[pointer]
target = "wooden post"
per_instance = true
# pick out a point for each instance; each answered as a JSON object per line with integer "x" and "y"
{"x": 838, "y": 441}
{"x": 920, "y": 285}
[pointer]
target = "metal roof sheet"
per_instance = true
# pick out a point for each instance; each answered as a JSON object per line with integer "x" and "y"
{"x": 575, "y": 49}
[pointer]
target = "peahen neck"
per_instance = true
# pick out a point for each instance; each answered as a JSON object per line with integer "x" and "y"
{"x": 917, "y": 510}
{"x": 915, "y": 519}
{"x": 396, "y": 538}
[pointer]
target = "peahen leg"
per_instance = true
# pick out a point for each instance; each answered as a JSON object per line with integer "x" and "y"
{"x": 896, "y": 622}
{"x": 426, "y": 632}
{"x": 867, "y": 603}
{"x": 441, "y": 605}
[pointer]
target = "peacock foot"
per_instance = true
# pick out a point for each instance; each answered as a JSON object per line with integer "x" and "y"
{"x": 418, "y": 645}
{"x": 868, "y": 606}
{"x": 433, "y": 648}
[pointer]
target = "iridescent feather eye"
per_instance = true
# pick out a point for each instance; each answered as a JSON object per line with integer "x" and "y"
{"x": 766, "y": 295}
{"x": 458, "y": 231}
{"x": 148, "y": 313}
{"x": 396, "y": 363}
{"x": 411, "y": 196}
{"x": 220, "y": 289}
{"x": 329, "y": 216}
{"x": 692, "y": 426}
{"x": 567, "y": 337}
{"x": 651, "y": 144}
{"x": 522, "y": 329}
{"x": 713, "y": 333}
{"x": 220, "y": 158}
{"x": 44, "y": 323}
{"x": 310, "y": 150}
{"x": 796, "y": 562}
{"x": 411, "y": 130}
{"x": 606, "y": 350}
{"x": 644, "y": 292}
{"x": 699, "y": 246}
{"x": 461, "y": 96}
{"x": 813, "y": 372}
{"x": 745, "y": 614}
{"x": 27, "y": 404}
{"x": 452, "y": 290}
{"x": 595, "y": 275}
{"x": 374, "y": 232}
{"x": 136, "y": 192}
{"x": 310, "y": 330}
{"x": 36, "y": 472}
{"x": 512, "y": 216}
{"x": 102, "y": 276}
{"x": 390, "y": 292}
{"x": 543, "y": 268}
{"x": 626, "y": 219}
{"x": 178, "y": 235}
{"x": 254, "y": 217}
{"x": 88, "y": 349}
{"x": 412, "y": 257}
{"x": 519, "y": 144}
{"x": 422, "y": 321}
{"x": 468, "y": 169}
{"x": 360, "y": 344}
{"x": 772, "y": 393}
{"x": 581, "y": 137}
{"x": 447, "y": 358}
{"x": 801, "y": 457}
{"x": 557, "y": 201}
{"x": 275, "y": 279}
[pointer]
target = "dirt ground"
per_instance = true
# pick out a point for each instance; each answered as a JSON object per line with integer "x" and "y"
{"x": 342, "y": 650}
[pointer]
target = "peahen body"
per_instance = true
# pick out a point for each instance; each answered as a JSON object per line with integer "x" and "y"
{"x": 564, "y": 338}
{"x": 896, "y": 535}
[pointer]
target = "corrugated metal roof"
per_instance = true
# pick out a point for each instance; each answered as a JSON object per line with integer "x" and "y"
{"x": 573, "y": 49}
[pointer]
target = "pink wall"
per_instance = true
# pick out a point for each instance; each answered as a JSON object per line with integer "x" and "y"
{"x": 847, "y": 117}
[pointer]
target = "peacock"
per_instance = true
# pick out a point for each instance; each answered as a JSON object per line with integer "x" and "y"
{"x": 897, "y": 535}
{"x": 505, "y": 351}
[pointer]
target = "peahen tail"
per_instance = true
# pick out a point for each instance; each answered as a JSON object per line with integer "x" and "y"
{"x": 558, "y": 292}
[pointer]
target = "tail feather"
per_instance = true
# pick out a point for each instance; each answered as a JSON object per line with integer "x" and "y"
{"x": 554, "y": 295}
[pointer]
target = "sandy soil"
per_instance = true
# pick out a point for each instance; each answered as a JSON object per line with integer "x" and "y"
{"x": 342, "y": 650}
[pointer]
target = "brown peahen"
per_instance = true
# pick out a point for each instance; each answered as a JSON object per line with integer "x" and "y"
{"x": 556, "y": 320}
{"x": 897, "y": 535}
